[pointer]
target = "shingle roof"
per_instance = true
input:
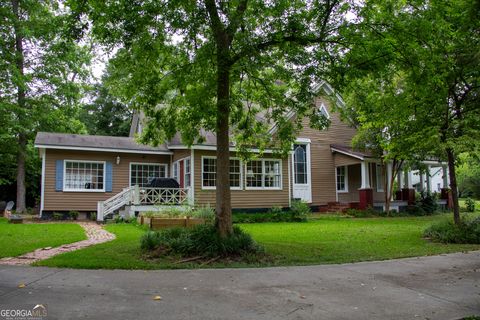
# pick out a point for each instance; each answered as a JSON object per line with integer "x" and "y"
{"x": 102, "y": 143}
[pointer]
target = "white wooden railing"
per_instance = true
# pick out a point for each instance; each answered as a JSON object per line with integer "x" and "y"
{"x": 164, "y": 196}
{"x": 143, "y": 196}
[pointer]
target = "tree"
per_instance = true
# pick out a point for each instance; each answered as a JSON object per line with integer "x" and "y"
{"x": 105, "y": 115}
{"x": 434, "y": 47}
{"x": 214, "y": 65}
{"x": 39, "y": 74}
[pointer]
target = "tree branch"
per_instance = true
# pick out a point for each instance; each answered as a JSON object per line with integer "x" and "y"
{"x": 237, "y": 18}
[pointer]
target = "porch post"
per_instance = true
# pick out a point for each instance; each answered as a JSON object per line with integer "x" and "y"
{"x": 422, "y": 181}
{"x": 365, "y": 176}
{"x": 365, "y": 192}
{"x": 389, "y": 177}
{"x": 429, "y": 184}
{"x": 408, "y": 191}
{"x": 100, "y": 211}
{"x": 136, "y": 195}
{"x": 445, "y": 177}
{"x": 445, "y": 191}
{"x": 398, "y": 193}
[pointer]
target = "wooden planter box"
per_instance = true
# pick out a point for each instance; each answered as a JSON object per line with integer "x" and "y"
{"x": 162, "y": 223}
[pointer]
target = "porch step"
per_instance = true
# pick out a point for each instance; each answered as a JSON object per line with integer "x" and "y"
{"x": 334, "y": 207}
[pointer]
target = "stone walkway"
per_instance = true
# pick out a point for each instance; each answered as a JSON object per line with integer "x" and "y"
{"x": 95, "y": 234}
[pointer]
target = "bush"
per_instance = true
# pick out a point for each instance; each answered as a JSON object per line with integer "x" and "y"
{"x": 367, "y": 213}
{"x": 73, "y": 214}
{"x": 93, "y": 216}
{"x": 207, "y": 213}
{"x": 446, "y": 231}
{"x": 428, "y": 203}
{"x": 470, "y": 204}
{"x": 201, "y": 240}
{"x": 300, "y": 210}
{"x": 57, "y": 216}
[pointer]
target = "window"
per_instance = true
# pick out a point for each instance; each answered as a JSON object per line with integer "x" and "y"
{"x": 142, "y": 174}
{"x": 84, "y": 176}
{"x": 209, "y": 173}
{"x": 300, "y": 164}
{"x": 323, "y": 111}
{"x": 263, "y": 174}
{"x": 187, "y": 177}
{"x": 342, "y": 179}
{"x": 175, "y": 170}
{"x": 379, "y": 178}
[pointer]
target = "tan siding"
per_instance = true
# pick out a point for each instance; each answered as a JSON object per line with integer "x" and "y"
{"x": 87, "y": 201}
{"x": 343, "y": 160}
{"x": 180, "y": 154}
{"x": 241, "y": 198}
{"x": 322, "y": 159}
{"x": 354, "y": 183}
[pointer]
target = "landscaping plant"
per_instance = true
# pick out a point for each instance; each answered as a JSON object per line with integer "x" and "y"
{"x": 201, "y": 240}
{"x": 470, "y": 204}
{"x": 446, "y": 231}
{"x": 300, "y": 210}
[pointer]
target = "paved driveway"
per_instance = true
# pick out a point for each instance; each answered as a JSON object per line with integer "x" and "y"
{"x": 437, "y": 287}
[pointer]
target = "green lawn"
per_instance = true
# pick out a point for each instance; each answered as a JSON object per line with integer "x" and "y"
{"x": 17, "y": 239}
{"x": 329, "y": 239}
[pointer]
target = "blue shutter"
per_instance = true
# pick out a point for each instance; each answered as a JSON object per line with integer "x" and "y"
{"x": 59, "y": 175}
{"x": 108, "y": 177}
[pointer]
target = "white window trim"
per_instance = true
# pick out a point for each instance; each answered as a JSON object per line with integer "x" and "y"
{"x": 324, "y": 108}
{"x": 378, "y": 185}
{"x": 214, "y": 188}
{"x": 175, "y": 164}
{"x": 280, "y": 187}
{"x": 185, "y": 171}
{"x": 345, "y": 190}
{"x": 83, "y": 190}
{"x": 165, "y": 165}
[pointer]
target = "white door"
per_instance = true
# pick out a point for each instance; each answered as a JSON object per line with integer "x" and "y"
{"x": 302, "y": 186}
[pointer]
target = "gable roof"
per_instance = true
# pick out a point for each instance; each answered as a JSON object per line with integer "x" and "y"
{"x": 68, "y": 141}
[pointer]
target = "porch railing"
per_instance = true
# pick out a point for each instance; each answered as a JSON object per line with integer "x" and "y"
{"x": 143, "y": 196}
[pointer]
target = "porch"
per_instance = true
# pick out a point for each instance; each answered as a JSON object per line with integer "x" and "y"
{"x": 360, "y": 181}
{"x": 137, "y": 199}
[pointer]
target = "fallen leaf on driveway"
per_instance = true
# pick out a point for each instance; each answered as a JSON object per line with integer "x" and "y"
{"x": 157, "y": 298}
{"x": 21, "y": 285}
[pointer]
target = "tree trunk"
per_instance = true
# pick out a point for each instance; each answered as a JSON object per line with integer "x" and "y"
{"x": 223, "y": 221}
{"x": 22, "y": 144}
{"x": 22, "y": 139}
{"x": 453, "y": 185}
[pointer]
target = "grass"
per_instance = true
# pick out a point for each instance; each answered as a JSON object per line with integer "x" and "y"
{"x": 17, "y": 239}
{"x": 325, "y": 240}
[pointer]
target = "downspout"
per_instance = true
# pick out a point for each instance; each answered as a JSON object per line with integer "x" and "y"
{"x": 43, "y": 155}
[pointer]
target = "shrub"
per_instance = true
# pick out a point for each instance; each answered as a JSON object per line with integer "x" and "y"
{"x": 428, "y": 203}
{"x": 93, "y": 216}
{"x": 470, "y": 204}
{"x": 73, "y": 214}
{"x": 446, "y": 231}
{"x": 207, "y": 213}
{"x": 57, "y": 216}
{"x": 300, "y": 210}
{"x": 276, "y": 210}
{"x": 367, "y": 213}
{"x": 201, "y": 240}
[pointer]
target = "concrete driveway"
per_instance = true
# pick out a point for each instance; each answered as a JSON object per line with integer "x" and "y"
{"x": 437, "y": 287}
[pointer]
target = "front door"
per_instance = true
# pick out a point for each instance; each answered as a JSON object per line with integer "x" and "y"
{"x": 302, "y": 186}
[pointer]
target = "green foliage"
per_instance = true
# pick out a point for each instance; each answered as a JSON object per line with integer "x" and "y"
{"x": 93, "y": 216}
{"x": 470, "y": 204}
{"x": 468, "y": 231}
{"x": 169, "y": 213}
{"x": 468, "y": 174}
{"x": 262, "y": 217}
{"x": 202, "y": 240}
{"x": 57, "y": 216}
{"x": 73, "y": 214}
{"x": 207, "y": 213}
{"x": 300, "y": 210}
{"x": 106, "y": 115}
{"x": 428, "y": 202}
{"x": 367, "y": 213}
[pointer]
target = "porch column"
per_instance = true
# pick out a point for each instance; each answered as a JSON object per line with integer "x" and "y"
{"x": 398, "y": 193}
{"x": 365, "y": 176}
{"x": 365, "y": 192}
{"x": 408, "y": 191}
{"x": 445, "y": 191}
{"x": 389, "y": 177}
{"x": 422, "y": 181}
{"x": 429, "y": 184}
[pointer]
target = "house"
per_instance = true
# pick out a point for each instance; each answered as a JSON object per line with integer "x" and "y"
{"x": 106, "y": 174}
